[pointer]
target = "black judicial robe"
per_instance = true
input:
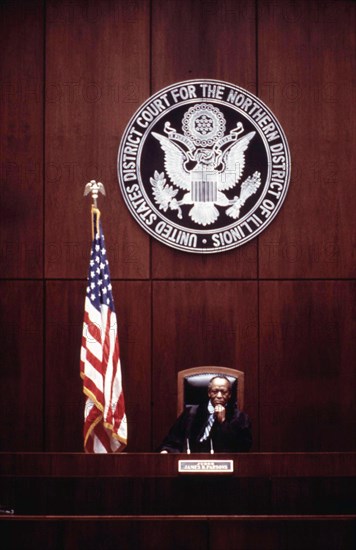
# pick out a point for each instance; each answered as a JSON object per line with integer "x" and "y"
{"x": 231, "y": 436}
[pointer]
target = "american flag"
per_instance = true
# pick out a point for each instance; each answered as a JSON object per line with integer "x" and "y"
{"x": 105, "y": 425}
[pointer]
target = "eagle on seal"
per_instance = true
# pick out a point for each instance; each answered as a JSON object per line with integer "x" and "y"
{"x": 204, "y": 173}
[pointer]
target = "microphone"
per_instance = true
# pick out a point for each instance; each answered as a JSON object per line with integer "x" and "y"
{"x": 6, "y": 509}
{"x": 211, "y": 447}
{"x": 188, "y": 448}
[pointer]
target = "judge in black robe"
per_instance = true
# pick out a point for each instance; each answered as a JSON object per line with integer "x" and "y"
{"x": 230, "y": 431}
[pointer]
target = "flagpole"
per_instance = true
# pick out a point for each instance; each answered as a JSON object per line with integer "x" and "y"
{"x": 94, "y": 188}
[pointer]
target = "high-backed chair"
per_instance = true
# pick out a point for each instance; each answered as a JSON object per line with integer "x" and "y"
{"x": 193, "y": 383}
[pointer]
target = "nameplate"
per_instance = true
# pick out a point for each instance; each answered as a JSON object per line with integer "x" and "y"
{"x": 205, "y": 466}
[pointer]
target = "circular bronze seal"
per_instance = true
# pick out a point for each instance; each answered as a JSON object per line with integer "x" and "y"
{"x": 204, "y": 166}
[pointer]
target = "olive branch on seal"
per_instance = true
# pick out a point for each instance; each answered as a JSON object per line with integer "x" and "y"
{"x": 164, "y": 194}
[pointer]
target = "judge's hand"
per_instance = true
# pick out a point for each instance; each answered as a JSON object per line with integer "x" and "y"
{"x": 219, "y": 412}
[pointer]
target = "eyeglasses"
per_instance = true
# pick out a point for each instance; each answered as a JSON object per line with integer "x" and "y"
{"x": 216, "y": 391}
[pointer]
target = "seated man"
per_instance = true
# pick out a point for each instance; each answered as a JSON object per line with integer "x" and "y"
{"x": 216, "y": 425}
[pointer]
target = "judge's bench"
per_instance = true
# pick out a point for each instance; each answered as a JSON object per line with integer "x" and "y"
{"x": 289, "y": 501}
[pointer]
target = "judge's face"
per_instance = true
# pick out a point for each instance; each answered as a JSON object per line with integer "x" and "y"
{"x": 219, "y": 392}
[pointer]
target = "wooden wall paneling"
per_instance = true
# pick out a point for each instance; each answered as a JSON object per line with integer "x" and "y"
{"x": 214, "y": 39}
{"x": 106, "y": 532}
{"x": 196, "y": 495}
{"x": 64, "y": 399}
{"x": 150, "y": 533}
{"x": 307, "y": 366}
{"x": 307, "y": 63}
{"x": 21, "y": 371}
{"x": 281, "y": 532}
{"x": 329, "y": 533}
{"x": 21, "y": 141}
{"x": 97, "y": 64}
{"x": 64, "y": 403}
{"x": 133, "y": 301}
{"x": 320, "y": 495}
{"x": 202, "y": 323}
{"x": 242, "y": 534}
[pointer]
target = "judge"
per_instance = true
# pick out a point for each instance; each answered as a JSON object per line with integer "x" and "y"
{"x": 213, "y": 426}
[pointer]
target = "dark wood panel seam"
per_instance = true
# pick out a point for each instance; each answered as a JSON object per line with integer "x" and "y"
{"x": 254, "y": 279}
{"x": 256, "y": 54}
{"x": 150, "y": 46}
{"x": 185, "y": 280}
{"x": 44, "y": 289}
{"x": 150, "y": 242}
{"x": 258, "y": 252}
{"x": 44, "y": 360}
{"x": 44, "y": 76}
{"x": 183, "y": 517}
{"x": 258, "y": 362}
